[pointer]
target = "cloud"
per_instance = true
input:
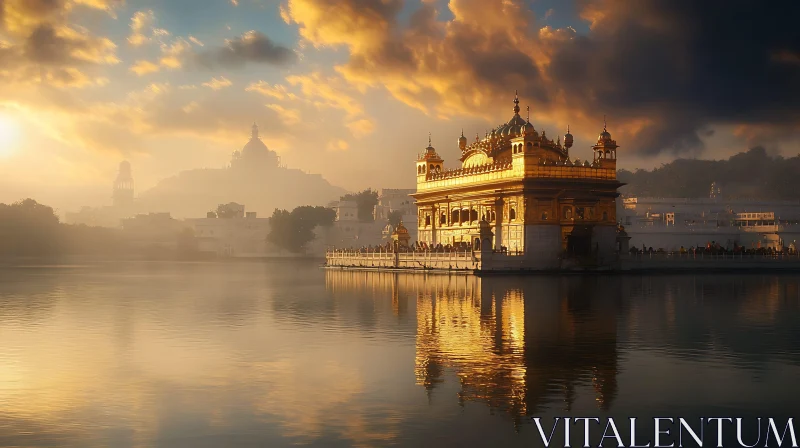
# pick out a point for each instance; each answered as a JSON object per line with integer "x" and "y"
{"x": 289, "y": 117}
{"x": 251, "y": 47}
{"x": 218, "y": 83}
{"x": 361, "y": 128}
{"x": 337, "y": 145}
{"x": 174, "y": 54}
{"x": 681, "y": 72}
{"x": 142, "y": 67}
{"x": 320, "y": 92}
{"x": 141, "y": 23}
{"x": 276, "y": 91}
{"x": 19, "y": 17}
{"x": 326, "y": 92}
{"x": 655, "y": 68}
{"x": 63, "y": 46}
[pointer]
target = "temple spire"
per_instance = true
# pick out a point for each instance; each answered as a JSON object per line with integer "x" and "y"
{"x": 516, "y": 103}
{"x": 254, "y": 134}
{"x": 528, "y": 118}
{"x": 604, "y": 123}
{"x": 429, "y": 140}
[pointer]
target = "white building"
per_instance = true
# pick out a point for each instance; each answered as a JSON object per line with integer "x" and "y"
{"x": 238, "y": 235}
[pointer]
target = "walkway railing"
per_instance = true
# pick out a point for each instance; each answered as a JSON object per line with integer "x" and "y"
{"x": 779, "y": 256}
{"x": 382, "y": 255}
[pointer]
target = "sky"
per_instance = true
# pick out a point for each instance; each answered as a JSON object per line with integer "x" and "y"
{"x": 352, "y": 89}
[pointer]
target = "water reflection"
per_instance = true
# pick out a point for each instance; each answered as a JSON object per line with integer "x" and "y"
{"x": 515, "y": 344}
{"x": 279, "y": 354}
{"x": 525, "y": 345}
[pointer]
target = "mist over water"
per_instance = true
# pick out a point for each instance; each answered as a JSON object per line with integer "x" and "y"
{"x": 285, "y": 353}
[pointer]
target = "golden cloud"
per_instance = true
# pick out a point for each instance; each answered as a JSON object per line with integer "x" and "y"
{"x": 337, "y": 145}
{"x": 361, "y": 128}
{"x": 276, "y": 91}
{"x": 173, "y": 55}
{"x": 289, "y": 117}
{"x": 218, "y": 83}
{"x": 142, "y": 29}
{"x": 326, "y": 92}
{"x": 142, "y": 67}
{"x": 361, "y": 26}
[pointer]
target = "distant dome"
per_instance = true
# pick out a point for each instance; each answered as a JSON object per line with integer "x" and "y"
{"x": 256, "y": 152}
{"x": 604, "y": 136}
{"x": 254, "y": 147}
{"x": 124, "y": 170}
{"x": 462, "y": 141}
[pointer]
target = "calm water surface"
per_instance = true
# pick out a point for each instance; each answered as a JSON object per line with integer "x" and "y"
{"x": 284, "y": 353}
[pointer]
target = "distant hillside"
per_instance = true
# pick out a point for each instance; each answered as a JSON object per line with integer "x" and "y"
{"x": 190, "y": 194}
{"x": 748, "y": 175}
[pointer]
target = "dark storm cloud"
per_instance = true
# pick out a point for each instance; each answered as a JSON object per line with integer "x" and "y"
{"x": 44, "y": 46}
{"x": 253, "y": 46}
{"x": 40, "y": 8}
{"x": 686, "y": 64}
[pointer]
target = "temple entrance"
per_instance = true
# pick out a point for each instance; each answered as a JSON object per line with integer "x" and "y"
{"x": 579, "y": 241}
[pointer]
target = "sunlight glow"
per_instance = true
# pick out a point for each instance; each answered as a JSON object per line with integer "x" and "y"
{"x": 9, "y": 134}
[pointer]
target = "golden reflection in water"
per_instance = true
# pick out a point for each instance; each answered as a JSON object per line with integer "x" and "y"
{"x": 482, "y": 339}
{"x": 514, "y": 344}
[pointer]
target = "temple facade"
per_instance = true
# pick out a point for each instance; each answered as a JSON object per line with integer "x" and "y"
{"x": 538, "y": 201}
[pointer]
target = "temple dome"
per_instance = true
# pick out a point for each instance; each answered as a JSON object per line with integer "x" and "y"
{"x": 256, "y": 152}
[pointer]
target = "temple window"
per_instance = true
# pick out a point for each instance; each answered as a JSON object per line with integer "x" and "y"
{"x": 580, "y": 213}
{"x": 566, "y": 212}
{"x": 494, "y": 216}
{"x": 443, "y": 219}
{"x": 473, "y": 215}
{"x": 512, "y": 214}
{"x": 544, "y": 216}
{"x": 464, "y": 215}
{"x": 427, "y": 220}
{"x": 454, "y": 216}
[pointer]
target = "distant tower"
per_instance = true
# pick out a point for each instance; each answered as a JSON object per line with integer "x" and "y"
{"x": 568, "y": 141}
{"x": 123, "y": 186}
{"x": 605, "y": 151}
{"x": 429, "y": 162}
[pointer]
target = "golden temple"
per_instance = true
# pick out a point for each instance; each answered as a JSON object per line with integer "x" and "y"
{"x": 536, "y": 200}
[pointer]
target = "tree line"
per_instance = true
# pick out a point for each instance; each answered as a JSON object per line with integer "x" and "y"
{"x": 31, "y": 229}
{"x": 748, "y": 175}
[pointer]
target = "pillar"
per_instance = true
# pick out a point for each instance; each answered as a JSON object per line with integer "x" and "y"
{"x": 434, "y": 220}
{"x": 498, "y": 225}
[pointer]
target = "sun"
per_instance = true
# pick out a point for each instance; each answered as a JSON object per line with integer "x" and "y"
{"x": 9, "y": 134}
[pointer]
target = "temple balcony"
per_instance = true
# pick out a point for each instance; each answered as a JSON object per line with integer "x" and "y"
{"x": 521, "y": 168}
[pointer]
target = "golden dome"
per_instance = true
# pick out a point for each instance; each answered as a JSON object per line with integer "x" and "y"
{"x": 604, "y": 136}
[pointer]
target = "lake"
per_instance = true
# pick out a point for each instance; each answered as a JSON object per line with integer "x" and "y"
{"x": 283, "y": 353}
